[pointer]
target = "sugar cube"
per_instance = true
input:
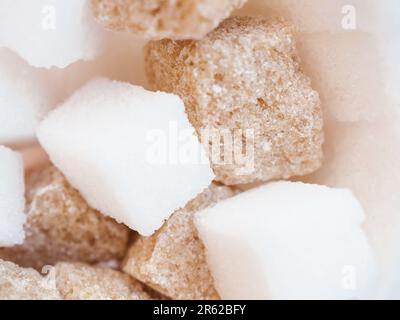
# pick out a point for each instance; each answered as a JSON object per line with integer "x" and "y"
{"x": 172, "y": 261}
{"x": 131, "y": 153}
{"x": 332, "y": 34}
{"x": 27, "y": 93}
{"x": 157, "y": 19}
{"x": 311, "y": 16}
{"x": 61, "y": 226}
{"x": 12, "y": 217}
{"x": 25, "y": 97}
{"x": 78, "y": 281}
{"x": 351, "y": 89}
{"x": 49, "y": 33}
{"x": 247, "y": 97}
{"x": 17, "y": 283}
{"x": 364, "y": 157}
{"x": 288, "y": 240}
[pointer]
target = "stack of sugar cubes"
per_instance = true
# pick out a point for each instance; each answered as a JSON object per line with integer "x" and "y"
{"x": 197, "y": 150}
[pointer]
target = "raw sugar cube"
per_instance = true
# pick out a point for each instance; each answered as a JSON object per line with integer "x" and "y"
{"x": 61, "y": 226}
{"x": 139, "y": 157}
{"x": 172, "y": 261}
{"x": 18, "y": 283}
{"x": 247, "y": 97}
{"x": 78, "y": 281}
{"x": 49, "y": 33}
{"x": 157, "y": 19}
{"x": 288, "y": 240}
{"x": 12, "y": 216}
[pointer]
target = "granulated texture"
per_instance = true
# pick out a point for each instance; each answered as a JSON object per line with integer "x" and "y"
{"x": 244, "y": 79}
{"x": 78, "y": 281}
{"x": 62, "y": 227}
{"x": 172, "y": 261}
{"x": 157, "y": 19}
{"x": 18, "y": 283}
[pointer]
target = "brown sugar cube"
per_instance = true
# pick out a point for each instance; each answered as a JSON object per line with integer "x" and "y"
{"x": 172, "y": 261}
{"x": 246, "y": 95}
{"x": 18, "y": 283}
{"x": 78, "y": 281}
{"x": 62, "y": 227}
{"x": 158, "y": 19}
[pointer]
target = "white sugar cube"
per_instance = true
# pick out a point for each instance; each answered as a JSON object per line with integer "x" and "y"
{"x": 332, "y": 15}
{"x": 12, "y": 217}
{"x": 288, "y": 240}
{"x": 350, "y": 50}
{"x": 131, "y": 153}
{"x": 25, "y": 97}
{"x": 49, "y": 33}
{"x": 27, "y": 93}
{"x": 365, "y": 158}
{"x": 347, "y": 72}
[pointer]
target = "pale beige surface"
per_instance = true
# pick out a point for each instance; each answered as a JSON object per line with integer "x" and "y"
{"x": 17, "y": 283}
{"x": 78, "y": 281}
{"x": 157, "y": 19}
{"x": 245, "y": 75}
{"x": 172, "y": 261}
{"x": 62, "y": 227}
{"x": 34, "y": 158}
